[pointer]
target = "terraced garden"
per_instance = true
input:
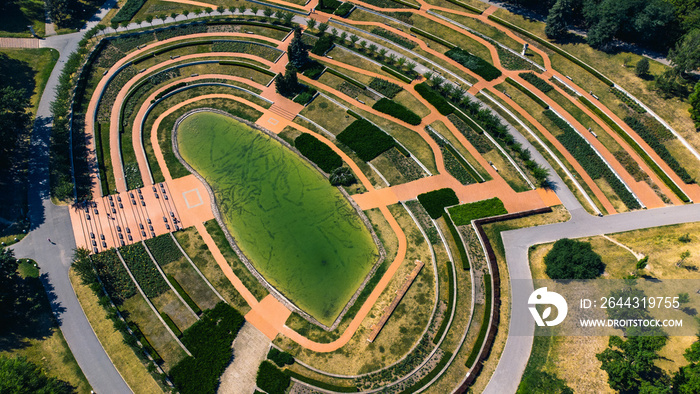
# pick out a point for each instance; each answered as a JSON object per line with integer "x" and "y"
{"x": 302, "y": 196}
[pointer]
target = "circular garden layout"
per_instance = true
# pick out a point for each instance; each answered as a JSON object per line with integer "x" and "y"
{"x": 326, "y": 185}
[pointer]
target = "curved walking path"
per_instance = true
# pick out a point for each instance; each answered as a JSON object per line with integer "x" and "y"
{"x": 52, "y": 221}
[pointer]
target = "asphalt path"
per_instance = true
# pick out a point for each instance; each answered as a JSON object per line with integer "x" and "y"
{"x": 49, "y": 221}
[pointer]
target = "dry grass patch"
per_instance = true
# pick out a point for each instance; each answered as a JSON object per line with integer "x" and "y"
{"x": 127, "y": 363}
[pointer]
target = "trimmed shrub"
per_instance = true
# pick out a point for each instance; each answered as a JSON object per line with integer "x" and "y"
{"x": 144, "y": 270}
{"x": 474, "y": 63}
{"x": 318, "y": 152}
{"x": 279, "y": 357}
{"x": 458, "y": 241}
{"x": 536, "y": 81}
{"x": 271, "y": 379}
{"x": 209, "y": 340}
{"x": 163, "y": 249}
{"x": 384, "y": 87}
{"x": 322, "y": 45}
{"x": 465, "y": 213}
{"x": 433, "y": 37}
{"x": 312, "y": 69}
{"x": 344, "y": 9}
{"x": 128, "y": 10}
{"x": 435, "y": 201}
{"x": 397, "y": 110}
{"x": 305, "y": 96}
{"x": 328, "y": 5}
{"x": 366, "y": 139}
{"x": 434, "y": 98}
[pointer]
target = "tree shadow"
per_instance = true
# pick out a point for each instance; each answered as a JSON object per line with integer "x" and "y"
{"x": 33, "y": 318}
{"x": 13, "y": 20}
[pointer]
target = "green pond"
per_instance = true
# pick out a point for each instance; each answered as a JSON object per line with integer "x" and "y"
{"x": 298, "y": 231}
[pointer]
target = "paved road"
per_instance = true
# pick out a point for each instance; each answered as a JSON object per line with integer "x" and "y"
{"x": 51, "y": 221}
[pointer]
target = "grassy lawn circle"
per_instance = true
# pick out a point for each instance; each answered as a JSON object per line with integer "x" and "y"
{"x": 298, "y": 231}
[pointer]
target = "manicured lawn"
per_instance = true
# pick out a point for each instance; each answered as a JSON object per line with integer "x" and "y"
{"x": 299, "y": 232}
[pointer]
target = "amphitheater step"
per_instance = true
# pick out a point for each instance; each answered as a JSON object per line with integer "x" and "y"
{"x": 282, "y": 112}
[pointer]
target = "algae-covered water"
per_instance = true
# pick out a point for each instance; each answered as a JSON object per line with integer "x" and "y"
{"x": 298, "y": 231}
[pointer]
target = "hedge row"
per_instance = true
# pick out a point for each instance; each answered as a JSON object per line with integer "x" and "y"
{"x": 171, "y": 324}
{"x": 527, "y": 91}
{"x": 247, "y": 65}
{"x": 393, "y": 37}
{"x": 407, "y": 4}
{"x": 590, "y": 161}
{"x": 169, "y": 89}
{"x": 128, "y": 10}
{"x": 434, "y": 98}
{"x": 465, "y": 213}
{"x": 209, "y": 340}
{"x": 430, "y": 375}
{"x": 271, "y": 379}
{"x": 233, "y": 21}
{"x": 163, "y": 249}
{"x": 631, "y": 142}
{"x": 354, "y": 114}
{"x": 400, "y": 76}
{"x": 554, "y": 48}
{"x": 466, "y": 6}
{"x": 433, "y": 37}
{"x": 138, "y": 335}
{"x": 480, "y": 66}
{"x": 144, "y": 270}
{"x": 450, "y": 304}
{"x": 660, "y": 149}
{"x": 458, "y": 241}
{"x": 318, "y": 152}
{"x": 304, "y": 97}
{"x": 472, "y": 173}
{"x": 366, "y": 139}
{"x": 320, "y": 384}
{"x": 536, "y": 81}
{"x": 180, "y": 290}
{"x": 397, "y": 110}
{"x": 384, "y": 87}
{"x": 435, "y": 201}
{"x": 627, "y": 100}
{"x": 484, "y": 324}
{"x": 345, "y": 77}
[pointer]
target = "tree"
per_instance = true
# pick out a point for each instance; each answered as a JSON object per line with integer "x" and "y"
{"x": 254, "y": 9}
{"x": 20, "y": 376}
{"x": 311, "y": 24}
{"x": 694, "y": 101}
{"x": 14, "y": 118}
{"x": 342, "y": 176}
{"x": 630, "y": 364}
{"x": 354, "y": 39}
{"x": 556, "y": 22}
{"x": 322, "y": 27}
{"x": 685, "y": 56}
{"x": 601, "y": 35}
{"x": 268, "y": 13}
{"x": 687, "y": 379}
{"x": 642, "y": 67}
{"x": 570, "y": 259}
{"x": 10, "y": 282}
{"x": 287, "y": 18}
{"x": 297, "y": 51}
{"x": 287, "y": 84}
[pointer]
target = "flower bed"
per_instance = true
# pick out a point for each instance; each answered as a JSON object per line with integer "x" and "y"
{"x": 435, "y": 201}
{"x": 465, "y": 213}
{"x": 144, "y": 270}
